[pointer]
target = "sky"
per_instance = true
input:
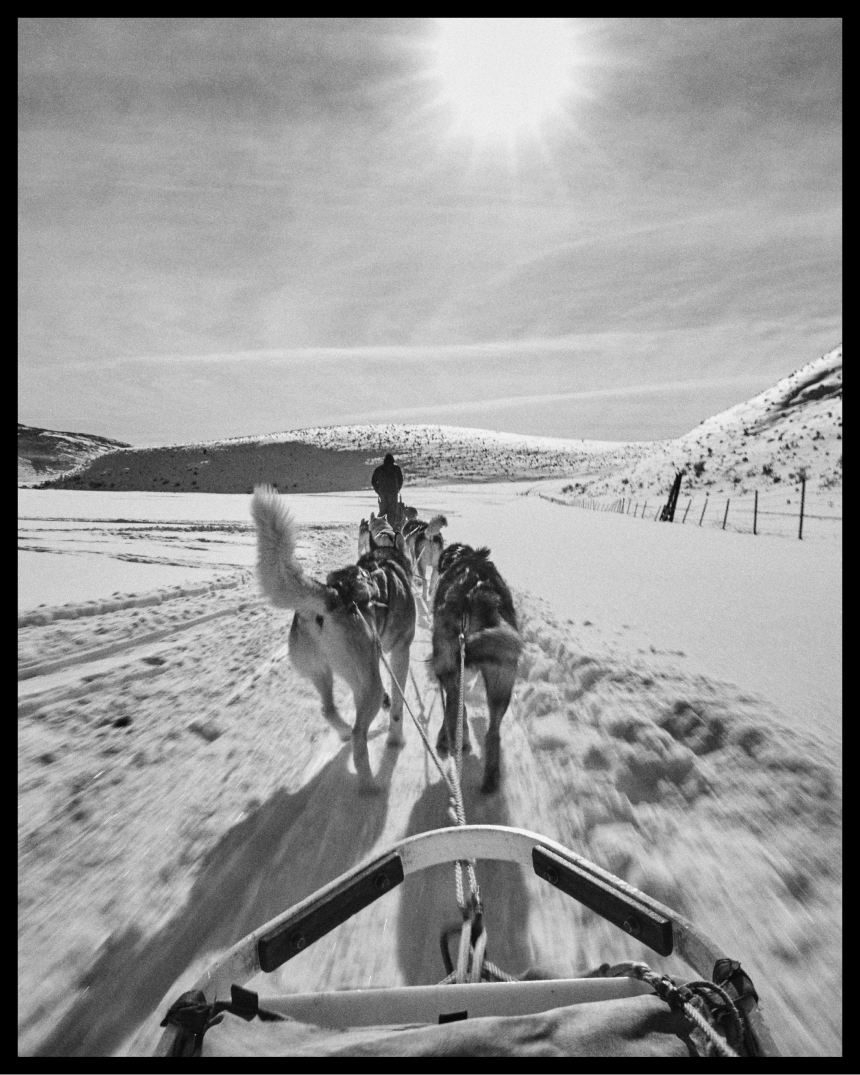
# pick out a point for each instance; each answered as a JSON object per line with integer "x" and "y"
{"x": 241, "y": 226}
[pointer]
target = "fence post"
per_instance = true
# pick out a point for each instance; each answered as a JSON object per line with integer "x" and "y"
{"x": 629, "y": 502}
{"x": 636, "y": 510}
{"x": 644, "y": 509}
{"x": 755, "y": 513}
{"x": 686, "y": 510}
{"x": 727, "y": 514}
{"x": 802, "y": 502}
{"x": 703, "y": 509}
{"x": 657, "y": 513}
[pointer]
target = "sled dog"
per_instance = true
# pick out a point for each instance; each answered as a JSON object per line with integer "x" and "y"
{"x": 472, "y": 597}
{"x": 363, "y": 538}
{"x": 425, "y": 543}
{"x": 328, "y": 636}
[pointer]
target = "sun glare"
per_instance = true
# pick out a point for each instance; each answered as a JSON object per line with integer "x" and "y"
{"x": 504, "y": 77}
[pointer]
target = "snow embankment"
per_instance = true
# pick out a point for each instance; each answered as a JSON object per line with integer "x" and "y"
{"x": 793, "y": 428}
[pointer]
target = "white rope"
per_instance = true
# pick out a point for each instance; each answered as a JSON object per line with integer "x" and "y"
{"x": 478, "y": 957}
{"x": 665, "y": 988}
{"x": 719, "y": 1043}
{"x": 456, "y": 809}
{"x": 463, "y": 958}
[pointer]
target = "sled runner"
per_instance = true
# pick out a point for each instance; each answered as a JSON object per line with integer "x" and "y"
{"x": 614, "y": 1012}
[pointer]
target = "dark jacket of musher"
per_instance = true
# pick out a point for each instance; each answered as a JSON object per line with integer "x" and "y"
{"x": 387, "y": 480}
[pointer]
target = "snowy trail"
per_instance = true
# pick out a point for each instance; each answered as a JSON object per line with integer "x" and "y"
{"x": 764, "y": 613}
{"x": 158, "y": 823}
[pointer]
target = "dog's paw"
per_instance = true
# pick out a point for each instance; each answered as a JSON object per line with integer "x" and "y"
{"x": 395, "y": 733}
{"x": 386, "y": 701}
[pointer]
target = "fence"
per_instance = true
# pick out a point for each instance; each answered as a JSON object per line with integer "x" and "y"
{"x": 787, "y": 512}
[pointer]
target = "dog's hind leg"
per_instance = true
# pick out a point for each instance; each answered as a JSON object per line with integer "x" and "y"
{"x": 399, "y": 660}
{"x": 430, "y": 588}
{"x": 368, "y": 700}
{"x": 499, "y": 684}
{"x": 309, "y": 660}
{"x": 323, "y": 680}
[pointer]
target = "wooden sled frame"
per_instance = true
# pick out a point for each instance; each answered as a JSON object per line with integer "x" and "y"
{"x": 285, "y": 936}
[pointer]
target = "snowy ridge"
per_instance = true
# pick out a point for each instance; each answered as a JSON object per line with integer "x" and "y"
{"x": 341, "y": 458}
{"x": 793, "y": 428}
{"x": 45, "y": 452}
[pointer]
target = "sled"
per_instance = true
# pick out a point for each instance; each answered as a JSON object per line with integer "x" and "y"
{"x": 413, "y": 1007}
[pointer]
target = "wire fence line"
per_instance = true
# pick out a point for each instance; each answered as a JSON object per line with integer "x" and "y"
{"x": 788, "y": 512}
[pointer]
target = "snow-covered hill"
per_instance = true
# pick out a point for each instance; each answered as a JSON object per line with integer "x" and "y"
{"x": 47, "y": 452}
{"x": 342, "y": 458}
{"x": 793, "y": 428}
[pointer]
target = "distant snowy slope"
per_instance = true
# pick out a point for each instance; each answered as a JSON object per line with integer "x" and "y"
{"x": 341, "y": 458}
{"x": 45, "y": 452}
{"x": 792, "y": 428}
{"x": 445, "y": 453}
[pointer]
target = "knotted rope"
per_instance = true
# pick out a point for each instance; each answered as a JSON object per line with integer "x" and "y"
{"x": 680, "y": 998}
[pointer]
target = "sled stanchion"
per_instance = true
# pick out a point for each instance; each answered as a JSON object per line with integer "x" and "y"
{"x": 312, "y": 922}
{"x": 621, "y": 908}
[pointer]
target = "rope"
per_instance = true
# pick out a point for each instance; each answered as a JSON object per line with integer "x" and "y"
{"x": 489, "y": 973}
{"x": 681, "y": 997}
{"x": 482, "y": 969}
{"x": 417, "y": 723}
{"x": 473, "y": 907}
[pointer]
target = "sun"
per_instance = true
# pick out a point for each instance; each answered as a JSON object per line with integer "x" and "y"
{"x": 503, "y": 78}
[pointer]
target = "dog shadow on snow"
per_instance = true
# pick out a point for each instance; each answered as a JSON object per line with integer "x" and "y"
{"x": 428, "y": 902}
{"x": 293, "y": 844}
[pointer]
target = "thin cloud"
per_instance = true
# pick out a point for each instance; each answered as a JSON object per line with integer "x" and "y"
{"x": 549, "y": 398}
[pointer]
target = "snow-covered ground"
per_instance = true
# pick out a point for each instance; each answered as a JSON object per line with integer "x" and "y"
{"x": 676, "y": 719}
{"x": 764, "y": 613}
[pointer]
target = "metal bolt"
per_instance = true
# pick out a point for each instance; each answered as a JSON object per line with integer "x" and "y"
{"x": 298, "y": 941}
{"x": 633, "y": 926}
{"x": 551, "y": 875}
{"x": 382, "y": 882}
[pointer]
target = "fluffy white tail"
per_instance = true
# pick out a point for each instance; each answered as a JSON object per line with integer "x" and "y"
{"x": 435, "y": 525}
{"x": 279, "y": 573}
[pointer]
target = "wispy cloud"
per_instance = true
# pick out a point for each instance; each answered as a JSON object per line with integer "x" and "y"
{"x": 210, "y": 202}
{"x": 667, "y": 388}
